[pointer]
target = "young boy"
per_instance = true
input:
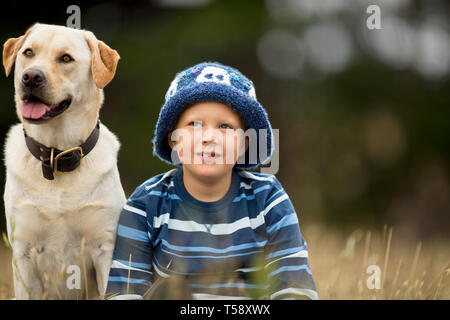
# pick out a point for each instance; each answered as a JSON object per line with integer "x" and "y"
{"x": 229, "y": 233}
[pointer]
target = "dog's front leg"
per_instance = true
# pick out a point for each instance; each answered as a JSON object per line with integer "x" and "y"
{"x": 27, "y": 284}
{"x": 101, "y": 256}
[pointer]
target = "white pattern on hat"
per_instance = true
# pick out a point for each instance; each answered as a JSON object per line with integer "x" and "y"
{"x": 214, "y": 74}
{"x": 172, "y": 89}
{"x": 252, "y": 92}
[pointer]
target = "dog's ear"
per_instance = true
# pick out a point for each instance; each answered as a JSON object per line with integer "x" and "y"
{"x": 10, "y": 49}
{"x": 104, "y": 60}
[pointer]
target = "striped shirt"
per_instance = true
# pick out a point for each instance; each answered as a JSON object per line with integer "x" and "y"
{"x": 246, "y": 245}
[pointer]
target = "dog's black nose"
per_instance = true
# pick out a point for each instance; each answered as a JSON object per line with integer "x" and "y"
{"x": 33, "y": 78}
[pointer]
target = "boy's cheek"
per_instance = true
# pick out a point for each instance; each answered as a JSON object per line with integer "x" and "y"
{"x": 187, "y": 152}
{"x": 236, "y": 145}
{"x": 231, "y": 153}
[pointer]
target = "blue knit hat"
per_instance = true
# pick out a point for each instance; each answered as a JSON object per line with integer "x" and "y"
{"x": 212, "y": 81}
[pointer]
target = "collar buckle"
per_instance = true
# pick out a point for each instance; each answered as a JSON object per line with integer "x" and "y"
{"x": 54, "y": 160}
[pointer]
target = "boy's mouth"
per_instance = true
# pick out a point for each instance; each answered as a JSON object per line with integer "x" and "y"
{"x": 208, "y": 156}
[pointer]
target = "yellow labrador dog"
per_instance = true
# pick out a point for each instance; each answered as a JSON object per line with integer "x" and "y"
{"x": 63, "y": 194}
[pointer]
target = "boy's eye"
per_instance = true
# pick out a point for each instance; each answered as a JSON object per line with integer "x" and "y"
{"x": 196, "y": 123}
{"x": 225, "y": 126}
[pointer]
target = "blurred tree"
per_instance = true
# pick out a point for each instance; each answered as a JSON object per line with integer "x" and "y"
{"x": 363, "y": 128}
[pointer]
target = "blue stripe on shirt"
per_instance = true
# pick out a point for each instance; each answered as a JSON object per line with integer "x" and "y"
{"x": 214, "y": 250}
{"x": 251, "y": 196}
{"x": 160, "y": 194}
{"x": 212, "y": 257}
{"x": 131, "y": 233}
{"x": 285, "y": 252}
{"x": 289, "y": 268}
{"x": 284, "y": 222}
{"x": 128, "y": 280}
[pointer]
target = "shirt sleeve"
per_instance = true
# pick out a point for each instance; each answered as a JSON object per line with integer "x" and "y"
{"x": 288, "y": 271}
{"x": 130, "y": 273}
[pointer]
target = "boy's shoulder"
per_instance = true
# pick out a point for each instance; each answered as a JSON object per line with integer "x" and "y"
{"x": 256, "y": 179}
{"x": 261, "y": 185}
{"x": 158, "y": 182}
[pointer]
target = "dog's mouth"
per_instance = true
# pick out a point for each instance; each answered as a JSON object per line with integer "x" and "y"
{"x": 35, "y": 110}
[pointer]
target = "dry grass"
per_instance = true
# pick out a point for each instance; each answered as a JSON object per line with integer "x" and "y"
{"x": 409, "y": 270}
{"x": 6, "y": 282}
{"x": 413, "y": 270}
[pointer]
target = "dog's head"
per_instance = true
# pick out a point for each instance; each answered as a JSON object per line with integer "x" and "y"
{"x": 57, "y": 69}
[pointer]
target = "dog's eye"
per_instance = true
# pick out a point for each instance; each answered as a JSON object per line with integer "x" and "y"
{"x": 28, "y": 53}
{"x": 66, "y": 58}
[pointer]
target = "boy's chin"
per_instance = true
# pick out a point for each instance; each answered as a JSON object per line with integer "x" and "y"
{"x": 208, "y": 170}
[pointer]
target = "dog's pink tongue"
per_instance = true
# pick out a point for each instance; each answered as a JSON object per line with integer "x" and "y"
{"x": 33, "y": 110}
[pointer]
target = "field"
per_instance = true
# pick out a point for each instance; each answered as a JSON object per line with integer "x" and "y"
{"x": 407, "y": 270}
{"x": 412, "y": 270}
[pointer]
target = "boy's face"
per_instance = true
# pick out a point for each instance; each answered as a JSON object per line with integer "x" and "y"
{"x": 208, "y": 138}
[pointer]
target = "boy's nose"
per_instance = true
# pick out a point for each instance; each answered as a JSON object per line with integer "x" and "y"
{"x": 209, "y": 135}
{"x": 207, "y": 139}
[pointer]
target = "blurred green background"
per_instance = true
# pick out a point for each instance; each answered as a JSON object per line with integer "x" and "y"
{"x": 363, "y": 115}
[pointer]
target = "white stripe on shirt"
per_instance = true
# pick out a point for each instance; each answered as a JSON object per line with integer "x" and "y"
{"x": 118, "y": 265}
{"x": 275, "y": 202}
{"x": 159, "y": 272}
{"x": 299, "y": 254}
{"x": 127, "y": 297}
{"x": 160, "y": 220}
{"x": 170, "y": 185}
{"x": 206, "y": 296}
{"x": 167, "y": 174}
{"x": 245, "y": 185}
{"x": 247, "y": 174}
{"x": 135, "y": 210}
{"x": 302, "y": 292}
{"x": 216, "y": 229}
{"x": 252, "y": 269}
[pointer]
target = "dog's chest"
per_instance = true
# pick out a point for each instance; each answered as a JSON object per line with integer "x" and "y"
{"x": 67, "y": 213}
{"x": 59, "y": 227}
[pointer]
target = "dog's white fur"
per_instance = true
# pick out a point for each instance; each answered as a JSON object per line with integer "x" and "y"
{"x": 71, "y": 220}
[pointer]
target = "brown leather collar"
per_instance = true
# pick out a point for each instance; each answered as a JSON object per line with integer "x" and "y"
{"x": 57, "y": 161}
